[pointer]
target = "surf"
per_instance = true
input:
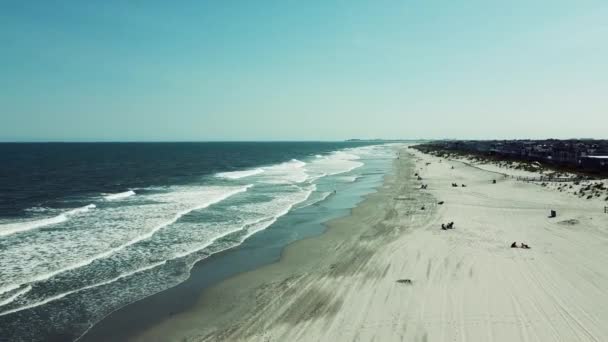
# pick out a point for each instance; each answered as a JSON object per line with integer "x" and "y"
{"x": 15, "y": 296}
{"x": 282, "y": 206}
{"x": 239, "y": 174}
{"x": 119, "y": 196}
{"x": 65, "y": 294}
{"x": 24, "y": 226}
{"x": 215, "y": 196}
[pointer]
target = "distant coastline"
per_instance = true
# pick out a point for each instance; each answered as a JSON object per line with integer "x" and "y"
{"x": 379, "y": 140}
{"x": 583, "y": 157}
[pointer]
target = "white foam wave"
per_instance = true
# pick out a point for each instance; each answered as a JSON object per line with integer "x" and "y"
{"x": 222, "y": 235}
{"x": 283, "y": 173}
{"x": 317, "y": 176}
{"x": 297, "y": 163}
{"x": 276, "y": 210}
{"x": 288, "y": 172}
{"x": 349, "y": 179}
{"x": 296, "y": 171}
{"x": 119, "y": 196}
{"x": 383, "y": 151}
{"x": 81, "y": 210}
{"x": 15, "y": 295}
{"x": 239, "y": 174}
{"x": 64, "y": 294}
{"x": 321, "y": 198}
{"x": 303, "y": 197}
{"x": 23, "y": 226}
{"x": 220, "y": 194}
{"x": 38, "y": 209}
{"x": 335, "y": 163}
{"x": 8, "y": 288}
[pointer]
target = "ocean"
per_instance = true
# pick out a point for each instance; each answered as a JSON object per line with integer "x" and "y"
{"x": 87, "y": 228}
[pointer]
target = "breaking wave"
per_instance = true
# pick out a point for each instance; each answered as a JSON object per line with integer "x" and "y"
{"x": 24, "y": 226}
{"x": 119, "y": 196}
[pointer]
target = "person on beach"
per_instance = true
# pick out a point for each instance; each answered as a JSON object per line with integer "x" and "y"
{"x": 514, "y": 244}
{"x": 448, "y": 226}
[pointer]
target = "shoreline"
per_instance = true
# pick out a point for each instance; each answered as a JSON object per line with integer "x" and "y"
{"x": 263, "y": 248}
{"x": 252, "y": 295}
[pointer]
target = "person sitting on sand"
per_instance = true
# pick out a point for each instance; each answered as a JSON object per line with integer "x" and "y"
{"x": 443, "y": 226}
{"x": 514, "y": 244}
{"x": 524, "y": 246}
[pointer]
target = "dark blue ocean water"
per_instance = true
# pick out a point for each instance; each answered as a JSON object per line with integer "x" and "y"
{"x": 45, "y": 174}
{"x": 88, "y": 228}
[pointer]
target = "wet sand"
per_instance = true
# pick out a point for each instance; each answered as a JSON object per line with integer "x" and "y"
{"x": 466, "y": 283}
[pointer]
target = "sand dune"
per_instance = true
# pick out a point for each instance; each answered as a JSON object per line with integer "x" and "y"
{"x": 466, "y": 283}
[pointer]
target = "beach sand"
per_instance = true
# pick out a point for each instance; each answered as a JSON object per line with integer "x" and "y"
{"x": 466, "y": 283}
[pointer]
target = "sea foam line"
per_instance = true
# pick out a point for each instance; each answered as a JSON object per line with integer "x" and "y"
{"x": 133, "y": 241}
{"x": 356, "y": 165}
{"x": 314, "y": 178}
{"x": 17, "y": 294}
{"x": 287, "y": 166}
{"x": 62, "y": 295}
{"x": 320, "y": 199}
{"x": 18, "y": 227}
{"x": 224, "y": 234}
{"x": 270, "y": 219}
{"x": 118, "y": 196}
{"x": 239, "y": 174}
{"x": 280, "y": 214}
{"x": 8, "y": 288}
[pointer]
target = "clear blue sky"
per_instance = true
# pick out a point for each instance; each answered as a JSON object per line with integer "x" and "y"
{"x": 302, "y": 70}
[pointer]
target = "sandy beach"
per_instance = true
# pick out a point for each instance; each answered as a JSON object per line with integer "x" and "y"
{"x": 465, "y": 284}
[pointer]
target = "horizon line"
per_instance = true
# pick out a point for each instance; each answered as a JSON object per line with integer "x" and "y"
{"x": 197, "y": 141}
{"x": 282, "y": 140}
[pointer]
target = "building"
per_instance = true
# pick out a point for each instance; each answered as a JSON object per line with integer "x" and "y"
{"x": 594, "y": 163}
